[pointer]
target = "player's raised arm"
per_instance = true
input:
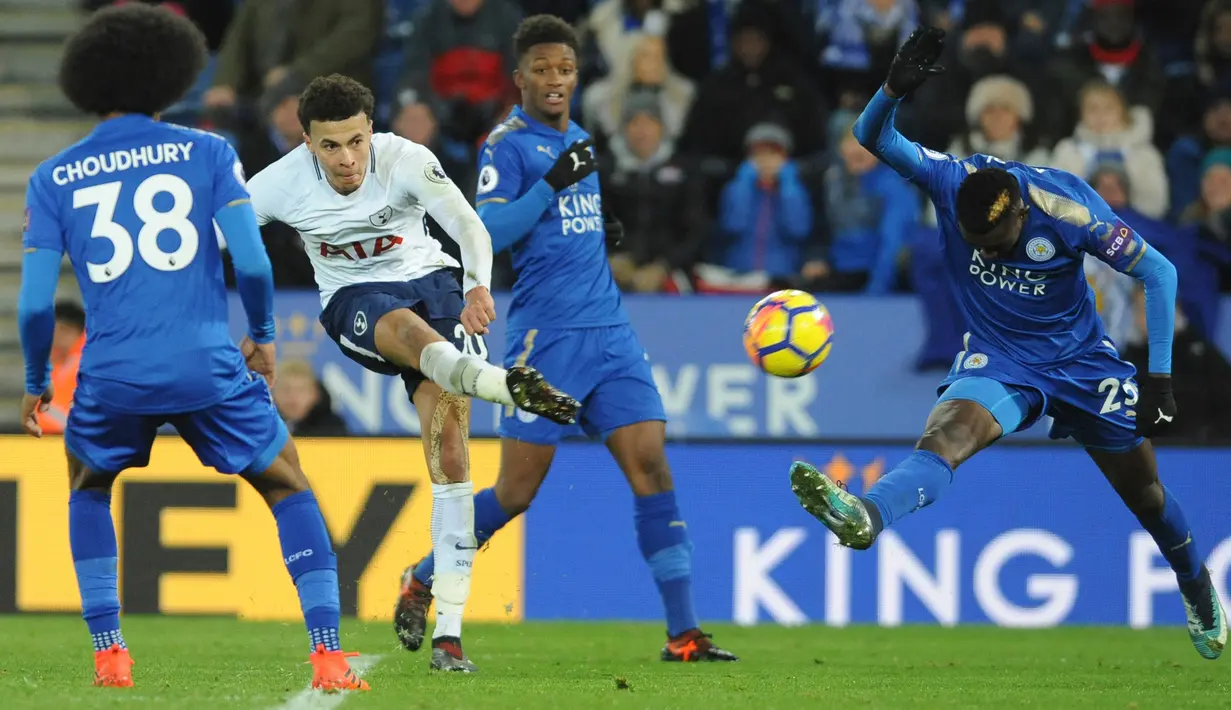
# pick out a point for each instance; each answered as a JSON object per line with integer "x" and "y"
{"x": 914, "y": 63}
{"x": 43, "y": 243}
{"x": 510, "y": 218}
{"x": 1115, "y": 243}
{"x": 420, "y": 174}
{"x": 254, "y": 275}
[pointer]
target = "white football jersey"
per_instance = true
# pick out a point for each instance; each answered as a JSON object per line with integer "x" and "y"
{"x": 378, "y": 233}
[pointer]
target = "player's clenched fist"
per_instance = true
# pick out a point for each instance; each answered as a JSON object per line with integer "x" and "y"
{"x": 260, "y": 357}
{"x": 31, "y": 406}
{"x": 1155, "y": 406}
{"x": 915, "y": 61}
{"x": 574, "y": 165}
{"x": 480, "y": 310}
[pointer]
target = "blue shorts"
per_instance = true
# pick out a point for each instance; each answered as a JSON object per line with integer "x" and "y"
{"x": 605, "y": 369}
{"x": 352, "y": 313}
{"x": 1091, "y": 399}
{"x": 241, "y": 434}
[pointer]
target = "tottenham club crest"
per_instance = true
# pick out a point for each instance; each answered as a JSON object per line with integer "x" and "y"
{"x": 381, "y": 218}
{"x": 435, "y": 173}
{"x": 361, "y": 323}
{"x": 1040, "y": 249}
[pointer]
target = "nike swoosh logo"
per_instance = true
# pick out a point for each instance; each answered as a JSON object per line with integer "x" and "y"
{"x": 677, "y": 524}
{"x": 460, "y": 546}
{"x": 1182, "y": 544}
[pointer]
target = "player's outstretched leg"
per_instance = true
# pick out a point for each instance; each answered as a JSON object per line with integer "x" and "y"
{"x": 405, "y": 339}
{"x": 960, "y": 425}
{"x": 307, "y": 551}
{"x": 523, "y": 467}
{"x": 95, "y": 559}
{"x": 1134, "y": 475}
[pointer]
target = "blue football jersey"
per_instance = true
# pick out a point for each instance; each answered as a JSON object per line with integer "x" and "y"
{"x": 1036, "y": 305}
{"x": 132, "y": 206}
{"x": 563, "y": 278}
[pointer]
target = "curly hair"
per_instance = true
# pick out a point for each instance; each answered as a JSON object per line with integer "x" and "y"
{"x": 132, "y": 58}
{"x": 333, "y": 98}
{"x": 985, "y": 199}
{"x": 543, "y": 29}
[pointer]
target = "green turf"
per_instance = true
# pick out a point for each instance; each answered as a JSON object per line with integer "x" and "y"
{"x": 217, "y": 664}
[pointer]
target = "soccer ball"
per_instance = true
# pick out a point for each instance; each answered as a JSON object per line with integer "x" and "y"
{"x": 788, "y": 333}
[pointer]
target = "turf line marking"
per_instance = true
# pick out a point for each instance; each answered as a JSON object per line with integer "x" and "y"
{"x": 309, "y": 699}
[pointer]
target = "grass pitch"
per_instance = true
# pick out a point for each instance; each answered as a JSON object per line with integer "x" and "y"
{"x": 216, "y": 664}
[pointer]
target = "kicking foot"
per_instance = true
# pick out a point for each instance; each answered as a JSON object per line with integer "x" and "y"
{"x": 113, "y": 668}
{"x": 447, "y": 655}
{"x": 533, "y": 394}
{"x": 410, "y": 615}
{"x": 829, "y": 502}
{"x": 332, "y": 673}
{"x": 694, "y": 646}
{"x": 1207, "y": 623}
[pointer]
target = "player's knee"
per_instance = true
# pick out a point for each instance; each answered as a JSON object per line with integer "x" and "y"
{"x": 515, "y": 499}
{"x": 650, "y": 474}
{"x": 953, "y": 441}
{"x": 81, "y": 478}
{"x": 1145, "y": 501}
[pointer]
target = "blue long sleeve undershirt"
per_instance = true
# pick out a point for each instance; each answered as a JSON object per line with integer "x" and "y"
{"x": 510, "y": 222}
{"x": 254, "y": 275}
{"x": 875, "y": 131}
{"x": 1161, "y": 282}
{"x": 36, "y": 315}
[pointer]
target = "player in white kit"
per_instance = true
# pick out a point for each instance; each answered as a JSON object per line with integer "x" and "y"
{"x": 360, "y": 202}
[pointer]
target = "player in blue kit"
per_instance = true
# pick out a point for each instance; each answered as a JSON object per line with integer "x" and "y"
{"x": 1013, "y": 239}
{"x": 133, "y": 206}
{"x": 539, "y": 196}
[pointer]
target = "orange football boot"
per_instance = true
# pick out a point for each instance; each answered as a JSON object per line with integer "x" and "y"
{"x": 113, "y": 668}
{"x": 331, "y": 672}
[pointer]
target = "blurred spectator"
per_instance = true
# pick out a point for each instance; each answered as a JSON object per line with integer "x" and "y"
{"x": 651, "y": 194}
{"x": 275, "y": 133}
{"x": 1212, "y": 77}
{"x": 860, "y": 38}
{"x": 272, "y": 44}
{"x": 999, "y": 111}
{"x": 872, "y": 211}
{"x": 1203, "y": 246}
{"x": 647, "y": 72}
{"x": 759, "y": 84}
{"x": 305, "y": 406}
{"x": 210, "y": 16}
{"x": 1113, "y": 51}
{"x": 1113, "y": 291}
{"x": 1185, "y": 155}
{"x": 1201, "y": 379}
{"x": 981, "y": 50}
{"x": 460, "y": 62}
{"x": 1109, "y": 132}
{"x": 66, "y": 345}
{"x": 766, "y": 217}
{"x": 1032, "y": 24}
{"x": 612, "y": 32}
{"x": 418, "y": 123}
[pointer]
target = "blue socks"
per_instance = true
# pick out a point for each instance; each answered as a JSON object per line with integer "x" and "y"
{"x": 308, "y": 553}
{"x": 95, "y": 558}
{"x": 663, "y": 539}
{"x": 488, "y": 518}
{"x": 1174, "y": 538}
{"x": 913, "y": 484}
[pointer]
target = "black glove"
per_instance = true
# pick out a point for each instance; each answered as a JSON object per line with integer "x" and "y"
{"x": 613, "y": 229}
{"x": 574, "y": 165}
{"x": 915, "y": 61}
{"x": 1155, "y": 406}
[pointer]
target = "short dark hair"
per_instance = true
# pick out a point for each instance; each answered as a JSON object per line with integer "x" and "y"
{"x": 134, "y": 58}
{"x": 70, "y": 313}
{"x": 543, "y": 29}
{"x": 333, "y": 98}
{"x": 985, "y": 199}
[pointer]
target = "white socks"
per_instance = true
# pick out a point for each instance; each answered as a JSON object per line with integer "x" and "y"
{"x": 461, "y": 374}
{"x": 453, "y": 548}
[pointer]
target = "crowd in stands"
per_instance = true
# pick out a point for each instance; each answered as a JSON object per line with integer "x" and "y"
{"x": 724, "y": 126}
